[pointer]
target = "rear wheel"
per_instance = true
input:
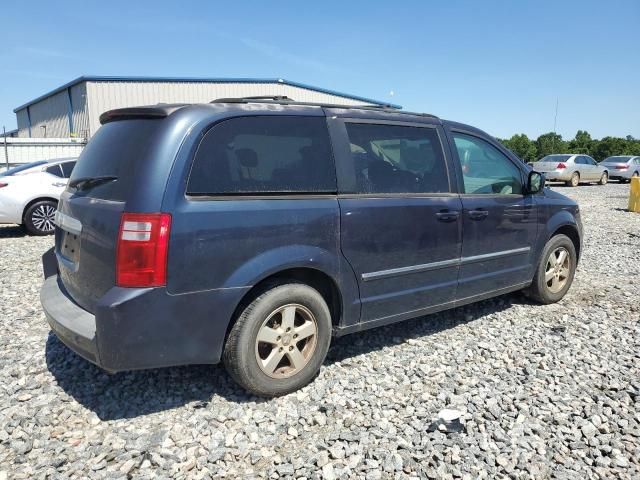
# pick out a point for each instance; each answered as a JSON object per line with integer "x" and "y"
{"x": 574, "y": 181}
{"x": 555, "y": 271}
{"x": 39, "y": 218}
{"x": 604, "y": 179}
{"x": 279, "y": 341}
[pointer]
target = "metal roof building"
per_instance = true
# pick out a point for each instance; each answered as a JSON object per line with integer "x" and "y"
{"x": 73, "y": 110}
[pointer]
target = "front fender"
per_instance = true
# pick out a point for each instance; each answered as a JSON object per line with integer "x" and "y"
{"x": 558, "y": 220}
{"x": 562, "y": 219}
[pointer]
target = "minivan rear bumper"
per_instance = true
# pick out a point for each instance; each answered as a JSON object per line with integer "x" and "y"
{"x": 141, "y": 328}
{"x": 74, "y": 326}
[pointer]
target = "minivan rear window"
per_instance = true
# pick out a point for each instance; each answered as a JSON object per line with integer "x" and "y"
{"x": 115, "y": 150}
{"x": 264, "y": 155}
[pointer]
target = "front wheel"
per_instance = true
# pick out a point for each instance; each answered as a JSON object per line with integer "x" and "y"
{"x": 279, "y": 340}
{"x": 555, "y": 271}
{"x": 604, "y": 179}
{"x": 39, "y": 218}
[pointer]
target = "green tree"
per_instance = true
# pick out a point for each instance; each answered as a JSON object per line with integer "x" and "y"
{"x": 609, "y": 146}
{"x": 522, "y": 146}
{"x": 549, "y": 143}
{"x": 582, "y": 143}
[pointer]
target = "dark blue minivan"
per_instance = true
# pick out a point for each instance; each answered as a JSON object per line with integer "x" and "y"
{"x": 251, "y": 231}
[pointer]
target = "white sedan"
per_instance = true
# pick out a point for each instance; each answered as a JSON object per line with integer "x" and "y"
{"x": 29, "y": 193}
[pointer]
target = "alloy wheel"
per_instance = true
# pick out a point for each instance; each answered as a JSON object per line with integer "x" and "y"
{"x": 43, "y": 218}
{"x": 604, "y": 179}
{"x": 575, "y": 179}
{"x": 286, "y": 341}
{"x": 557, "y": 269}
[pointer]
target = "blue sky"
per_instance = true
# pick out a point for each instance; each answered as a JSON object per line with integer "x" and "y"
{"x": 498, "y": 65}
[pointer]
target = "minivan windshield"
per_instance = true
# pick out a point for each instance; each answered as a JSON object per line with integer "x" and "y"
{"x": 114, "y": 153}
{"x": 21, "y": 168}
{"x": 555, "y": 158}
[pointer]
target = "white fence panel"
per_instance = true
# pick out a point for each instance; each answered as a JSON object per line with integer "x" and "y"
{"x": 26, "y": 150}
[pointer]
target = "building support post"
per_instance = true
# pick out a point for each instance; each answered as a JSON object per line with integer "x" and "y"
{"x": 6, "y": 152}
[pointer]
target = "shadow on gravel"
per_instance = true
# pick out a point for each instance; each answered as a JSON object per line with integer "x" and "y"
{"x": 136, "y": 393}
{"x": 132, "y": 394}
{"x": 12, "y": 232}
{"x": 378, "y": 338}
{"x": 569, "y": 187}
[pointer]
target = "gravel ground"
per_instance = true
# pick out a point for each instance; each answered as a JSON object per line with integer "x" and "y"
{"x": 503, "y": 388}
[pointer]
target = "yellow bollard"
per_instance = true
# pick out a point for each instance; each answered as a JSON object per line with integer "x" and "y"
{"x": 634, "y": 195}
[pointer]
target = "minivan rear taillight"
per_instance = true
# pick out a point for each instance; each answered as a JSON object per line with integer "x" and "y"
{"x": 141, "y": 252}
{"x": 561, "y": 166}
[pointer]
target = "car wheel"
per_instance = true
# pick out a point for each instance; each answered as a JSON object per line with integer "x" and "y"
{"x": 604, "y": 179}
{"x": 279, "y": 340}
{"x": 39, "y": 218}
{"x": 574, "y": 181}
{"x": 555, "y": 271}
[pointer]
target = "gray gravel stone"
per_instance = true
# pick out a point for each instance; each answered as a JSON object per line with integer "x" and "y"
{"x": 539, "y": 391}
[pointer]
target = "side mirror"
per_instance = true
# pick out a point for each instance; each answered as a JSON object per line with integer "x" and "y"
{"x": 535, "y": 182}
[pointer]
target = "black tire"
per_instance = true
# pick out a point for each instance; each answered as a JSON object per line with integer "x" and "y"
{"x": 604, "y": 179}
{"x": 539, "y": 289}
{"x": 241, "y": 351}
{"x": 575, "y": 180}
{"x": 38, "y": 218}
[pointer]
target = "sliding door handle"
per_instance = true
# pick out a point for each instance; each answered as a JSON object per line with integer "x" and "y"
{"x": 478, "y": 214}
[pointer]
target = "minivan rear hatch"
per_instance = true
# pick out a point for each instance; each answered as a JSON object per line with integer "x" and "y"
{"x": 89, "y": 212}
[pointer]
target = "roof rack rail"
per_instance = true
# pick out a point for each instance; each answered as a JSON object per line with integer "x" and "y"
{"x": 275, "y": 98}
{"x": 284, "y": 100}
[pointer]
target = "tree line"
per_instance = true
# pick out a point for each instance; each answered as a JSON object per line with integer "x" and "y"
{"x": 532, "y": 150}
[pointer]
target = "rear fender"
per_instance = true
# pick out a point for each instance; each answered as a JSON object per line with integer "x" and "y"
{"x": 274, "y": 261}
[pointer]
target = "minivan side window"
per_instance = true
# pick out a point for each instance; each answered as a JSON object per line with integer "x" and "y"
{"x": 264, "y": 155}
{"x": 485, "y": 169}
{"x": 397, "y": 159}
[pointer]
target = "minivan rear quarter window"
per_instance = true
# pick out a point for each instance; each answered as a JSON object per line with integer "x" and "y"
{"x": 264, "y": 155}
{"x": 115, "y": 150}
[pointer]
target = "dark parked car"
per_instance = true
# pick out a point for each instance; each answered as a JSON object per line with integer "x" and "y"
{"x": 251, "y": 231}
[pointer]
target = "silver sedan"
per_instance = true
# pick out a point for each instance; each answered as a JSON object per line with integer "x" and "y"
{"x": 572, "y": 169}
{"x": 622, "y": 167}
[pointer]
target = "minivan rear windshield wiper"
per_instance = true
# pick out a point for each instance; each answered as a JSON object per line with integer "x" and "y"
{"x": 85, "y": 183}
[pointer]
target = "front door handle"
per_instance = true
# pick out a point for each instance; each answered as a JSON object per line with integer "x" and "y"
{"x": 447, "y": 215}
{"x": 478, "y": 214}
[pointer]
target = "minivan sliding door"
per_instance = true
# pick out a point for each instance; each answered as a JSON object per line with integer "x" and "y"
{"x": 400, "y": 223}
